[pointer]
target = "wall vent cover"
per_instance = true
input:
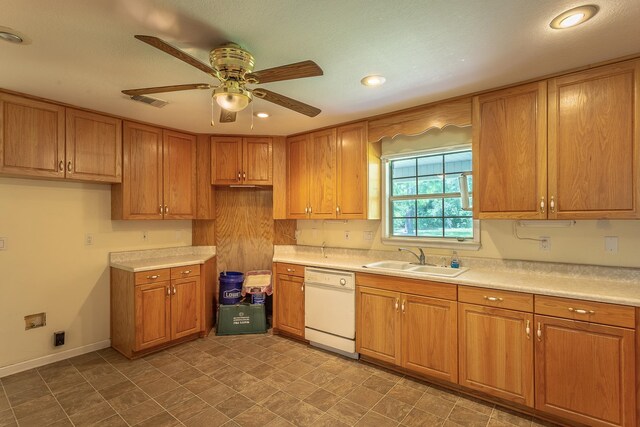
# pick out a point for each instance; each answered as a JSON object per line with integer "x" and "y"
{"x": 158, "y": 103}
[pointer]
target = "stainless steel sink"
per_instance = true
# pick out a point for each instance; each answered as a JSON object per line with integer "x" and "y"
{"x": 407, "y": 267}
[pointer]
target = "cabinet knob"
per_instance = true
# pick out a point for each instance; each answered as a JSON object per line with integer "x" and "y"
{"x": 403, "y": 304}
{"x": 168, "y": 291}
{"x": 186, "y": 272}
{"x": 166, "y": 209}
{"x": 61, "y": 166}
{"x": 493, "y": 299}
{"x": 291, "y": 270}
{"x": 539, "y": 332}
{"x": 397, "y": 301}
{"x": 552, "y": 205}
{"x": 69, "y": 166}
{"x": 160, "y": 207}
{"x": 244, "y": 175}
{"x": 542, "y": 205}
{"x": 155, "y": 276}
{"x": 310, "y": 210}
{"x": 174, "y": 290}
{"x": 527, "y": 329}
{"x": 337, "y": 209}
{"x": 239, "y": 175}
{"x": 581, "y": 311}
{"x": 343, "y": 282}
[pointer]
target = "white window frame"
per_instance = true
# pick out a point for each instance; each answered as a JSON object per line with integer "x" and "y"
{"x": 422, "y": 241}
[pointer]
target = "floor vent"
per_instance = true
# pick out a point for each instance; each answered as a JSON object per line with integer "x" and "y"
{"x": 158, "y": 103}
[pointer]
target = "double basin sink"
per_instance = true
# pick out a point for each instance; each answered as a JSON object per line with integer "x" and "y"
{"x": 408, "y": 267}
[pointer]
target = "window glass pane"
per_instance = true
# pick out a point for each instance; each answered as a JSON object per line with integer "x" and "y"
{"x": 457, "y": 162}
{"x": 404, "y": 227}
{"x": 431, "y": 165}
{"x": 451, "y": 183}
{"x": 470, "y": 183}
{"x": 453, "y": 207}
{"x": 430, "y": 207}
{"x": 403, "y": 168}
{"x": 403, "y": 187}
{"x": 430, "y": 185}
{"x": 430, "y": 227}
{"x": 404, "y": 208}
{"x": 458, "y": 227}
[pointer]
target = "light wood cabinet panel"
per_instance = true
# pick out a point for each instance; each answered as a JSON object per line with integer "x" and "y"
{"x": 226, "y": 165}
{"x": 179, "y": 175}
{"x": 32, "y": 137}
{"x": 496, "y": 298}
{"x": 257, "y": 160}
{"x": 378, "y": 332}
{"x": 152, "y": 315}
{"x": 351, "y": 180}
{"x": 290, "y": 305}
{"x": 585, "y": 372}
{"x": 429, "y": 337}
{"x": 594, "y": 140}
{"x": 93, "y": 147}
{"x": 185, "y": 307}
{"x": 322, "y": 165}
{"x": 510, "y": 152}
{"x": 298, "y": 176}
{"x": 496, "y": 352}
{"x": 241, "y": 161}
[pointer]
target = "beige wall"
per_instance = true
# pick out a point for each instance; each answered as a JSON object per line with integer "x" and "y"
{"x": 47, "y": 266}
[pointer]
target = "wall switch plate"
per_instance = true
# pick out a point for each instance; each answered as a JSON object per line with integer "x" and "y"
{"x": 545, "y": 243}
{"x": 3, "y": 243}
{"x": 347, "y": 235}
{"x": 88, "y": 239}
{"x": 611, "y": 244}
{"x": 367, "y": 235}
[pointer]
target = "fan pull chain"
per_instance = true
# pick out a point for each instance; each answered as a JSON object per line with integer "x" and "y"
{"x": 213, "y": 123}
{"x": 252, "y": 116}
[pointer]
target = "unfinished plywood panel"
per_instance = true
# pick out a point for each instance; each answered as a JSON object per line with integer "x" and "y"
{"x": 203, "y": 232}
{"x": 284, "y": 232}
{"x": 244, "y": 229}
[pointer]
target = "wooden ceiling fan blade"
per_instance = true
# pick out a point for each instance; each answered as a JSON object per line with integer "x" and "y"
{"x": 159, "y": 89}
{"x": 227, "y": 116}
{"x": 177, "y": 53}
{"x": 285, "y": 72}
{"x": 287, "y": 102}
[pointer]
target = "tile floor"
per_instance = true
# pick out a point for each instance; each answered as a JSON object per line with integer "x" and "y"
{"x": 248, "y": 380}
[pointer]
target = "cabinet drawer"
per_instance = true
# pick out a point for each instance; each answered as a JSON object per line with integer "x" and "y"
{"x": 152, "y": 276}
{"x": 496, "y": 298}
{"x": 588, "y": 311}
{"x": 290, "y": 269}
{"x": 185, "y": 271}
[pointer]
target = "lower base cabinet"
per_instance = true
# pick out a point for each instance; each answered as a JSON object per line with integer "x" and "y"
{"x": 289, "y": 299}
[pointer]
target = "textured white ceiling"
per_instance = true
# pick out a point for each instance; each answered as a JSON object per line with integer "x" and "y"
{"x": 83, "y": 52}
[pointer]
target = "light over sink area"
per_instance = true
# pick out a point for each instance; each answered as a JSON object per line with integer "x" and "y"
{"x": 408, "y": 267}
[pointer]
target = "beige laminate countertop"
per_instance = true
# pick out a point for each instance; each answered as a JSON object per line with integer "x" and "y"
{"x": 153, "y": 259}
{"x": 604, "y": 284}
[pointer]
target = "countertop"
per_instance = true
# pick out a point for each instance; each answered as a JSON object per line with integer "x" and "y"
{"x": 616, "y": 285}
{"x": 153, "y": 259}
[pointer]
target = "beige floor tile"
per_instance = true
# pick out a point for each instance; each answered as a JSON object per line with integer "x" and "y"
{"x": 347, "y": 412}
{"x": 28, "y": 395}
{"x": 93, "y": 414}
{"x": 418, "y": 418}
{"x": 475, "y": 404}
{"x": 299, "y": 368}
{"x": 234, "y": 404}
{"x": 280, "y": 379}
{"x": 216, "y": 394}
{"x": 364, "y": 397}
{"x": 392, "y": 408}
{"x": 235, "y": 378}
{"x": 144, "y": 411}
{"x": 118, "y": 390}
{"x": 159, "y": 386}
{"x": 34, "y": 406}
{"x": 113, "y": 421}
{"x": 319, "y": 377}
{"x": 511, "y": 417}
{"x": 378, "y": 384}
{"x": 260, "y": 392}
{"x": 7, "y": 418}
{"x": 163, "y": 419}
{"x": 302, "y": 414}
{"x": 261, "y": 370}
{"x": 435, "y": 405}
{"x": 21, "y": 384}
{"x": 327, "y": 420}
{"x": 128, "y": 400}
{"x": 42, "y": 417}
{"x": 280, "y": 402}
{"x": 188, "y": 374}
{"x": 405, "y": 394}
{"x": 200, "y": 384}
{"x": 188, "y": 409}
{"x": 174, "y": 397}
{"x": 467, "y": 417}
{"x": 208, "y": 418}
{"x": 300, "y": 389}
{"x": 340, "y": 386}
{"x": 79, "y": 399}
{"x": 322, "y": 399}
{"x": 372, "y": 419}
{"x": 255, "y": 416}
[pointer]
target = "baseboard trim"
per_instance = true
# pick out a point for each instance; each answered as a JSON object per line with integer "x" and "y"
{"x": 45, "y": 360}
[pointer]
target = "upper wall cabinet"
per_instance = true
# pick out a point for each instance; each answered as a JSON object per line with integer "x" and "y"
{"x": 510, "y": 152}
{"x": 594, "y": 141}
{"x": 159, "y": 175}
{"x": 333, "y": 173}
{"x": 33, "y": 143}
{"x": 587, "y": 169}
{"x": 238, "y": 161}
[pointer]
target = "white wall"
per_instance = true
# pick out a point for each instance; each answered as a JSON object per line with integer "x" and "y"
{"x": 47, "y": 266}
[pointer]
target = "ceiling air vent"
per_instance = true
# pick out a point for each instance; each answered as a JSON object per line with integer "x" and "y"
{"x": 158, "y": 103}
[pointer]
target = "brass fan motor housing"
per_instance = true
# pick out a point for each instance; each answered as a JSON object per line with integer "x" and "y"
{"x": 231, "y": 61}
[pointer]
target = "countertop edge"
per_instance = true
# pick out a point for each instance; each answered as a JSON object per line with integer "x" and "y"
{"x": 168, "y": 262}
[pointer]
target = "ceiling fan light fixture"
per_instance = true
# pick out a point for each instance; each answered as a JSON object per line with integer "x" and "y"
{"x": 373, "y": 80}
{"x": 573, "y": 17}
{"x": 232, "y": 97}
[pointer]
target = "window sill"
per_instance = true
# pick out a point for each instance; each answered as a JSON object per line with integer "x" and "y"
{"x": 467, "y": 245}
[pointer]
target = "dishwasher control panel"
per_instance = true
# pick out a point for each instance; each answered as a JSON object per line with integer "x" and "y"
{"x": 326, "y": 277}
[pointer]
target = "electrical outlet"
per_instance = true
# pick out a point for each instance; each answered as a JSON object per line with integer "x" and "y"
{"x": 611, "y": 244}
{"x": 545, "y": 243}
{"x": 145, "y": 236}
{"x": 88, "y": 239}
{"x": 367, "y": 235}
{"x": 347, "y": 235}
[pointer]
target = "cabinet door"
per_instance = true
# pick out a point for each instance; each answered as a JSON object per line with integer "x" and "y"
{"x": 185, "y": 307}
{"x": 31, "y": 137}
{"x": 496, "y": 352}
{"x": 141, "y": 172}
{"x": 594, "y": 140}
{"x": 290, "y": 305}
{"x": 322, "y": 185}
{"x": 257, "y": 161}
{"x": 378, "y": 324}
{"x": 510, "y": 152}
{"x": 298, "y": 177}
{"x": 430, "y": 336}
{"x": 152, "y": 315}
{"x": 585, "y": 372}
{"x": 94, "y": 147}
{"x": 179, "y": 175}
{"x": 226, "y": 160}
{"x": 351, "y": 175}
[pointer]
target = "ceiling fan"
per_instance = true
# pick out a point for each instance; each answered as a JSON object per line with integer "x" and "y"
{"x": 233, "y": 67}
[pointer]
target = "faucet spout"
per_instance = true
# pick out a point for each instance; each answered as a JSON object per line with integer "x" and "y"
{"x": 421, "y": 258}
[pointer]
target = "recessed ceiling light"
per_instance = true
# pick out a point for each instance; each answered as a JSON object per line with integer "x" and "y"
{"x": 573, "y": 17}
{"x": 10, "y": 37}
{"x": 373, "y": 80}
{"x": 262, "y": 115}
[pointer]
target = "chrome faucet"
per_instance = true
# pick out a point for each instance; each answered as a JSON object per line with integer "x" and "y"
{"x": 421, "y": 258}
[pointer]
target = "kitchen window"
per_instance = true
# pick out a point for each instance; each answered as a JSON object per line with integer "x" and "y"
{"x": 428, "y": 198}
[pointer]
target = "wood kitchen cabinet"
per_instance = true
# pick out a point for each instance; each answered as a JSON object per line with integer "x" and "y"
{"x": 154, "y": 308}
{"x": 560, "y": 149}
{"x": 40, "y": 139}
{"x": 585, "y": 371}
{"x": 495, "y": 341}
{"x": 415, "y": 328}
{"x": 289, "y": 299}
{"x": 237, "y": 160}
{"x": 159, "y": 175}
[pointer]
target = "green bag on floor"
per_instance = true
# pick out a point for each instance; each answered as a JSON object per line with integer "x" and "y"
{"x": 241, "y": 319}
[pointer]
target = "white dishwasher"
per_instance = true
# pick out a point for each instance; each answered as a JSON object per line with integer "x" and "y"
{"x": 330, "y": 310}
